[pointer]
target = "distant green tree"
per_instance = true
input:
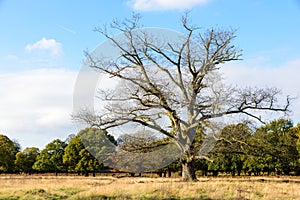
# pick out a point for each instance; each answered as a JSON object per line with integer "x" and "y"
{"x": 51, "y": 158}
{"x": 88, "y": 163}
{"x": 80, "y": 158}
{"x": 71, "y": 155}
{"x": 8, "y": 151}
{"x": 254, "y": 164}
{"x": 26, "y": 158}
{"x": 228, "y": 154}
{"x": 275, "y": 143}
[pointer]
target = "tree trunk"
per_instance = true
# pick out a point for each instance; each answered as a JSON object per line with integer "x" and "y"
{"x": 132, "y": 174}
{"x": 160, "y": 173}
{"x": 169, "y": 172}
{"x": 215, "y": 173}
{"x": 188, "y": 171}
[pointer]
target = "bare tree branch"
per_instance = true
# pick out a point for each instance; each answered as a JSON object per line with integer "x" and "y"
{"x": 178, "y": 82}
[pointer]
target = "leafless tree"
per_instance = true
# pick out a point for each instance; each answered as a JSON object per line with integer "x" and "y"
{"x": 177, "y": 82}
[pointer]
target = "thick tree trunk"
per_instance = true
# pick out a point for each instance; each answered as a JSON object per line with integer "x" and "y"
{"x": 188, "y": 171}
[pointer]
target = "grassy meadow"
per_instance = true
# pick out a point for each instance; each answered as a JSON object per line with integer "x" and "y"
{"x": 107, "y": 187}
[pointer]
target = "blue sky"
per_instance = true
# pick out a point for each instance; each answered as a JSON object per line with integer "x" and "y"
{"x": 42, "y": 44}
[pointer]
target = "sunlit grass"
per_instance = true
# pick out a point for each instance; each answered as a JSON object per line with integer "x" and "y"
{"x": 74, "y": 187}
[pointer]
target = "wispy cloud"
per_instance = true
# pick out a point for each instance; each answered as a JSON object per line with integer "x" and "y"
{"x": 149, "y": 5}
{"x": 44, "y": 44}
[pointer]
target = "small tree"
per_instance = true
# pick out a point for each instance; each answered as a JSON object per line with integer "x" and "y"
{"x": 26, "y": 158}
{"x": 51, "y": 158}
{"x": 178, "y": 82}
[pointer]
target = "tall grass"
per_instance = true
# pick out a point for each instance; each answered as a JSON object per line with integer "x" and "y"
{"x": 67, "y": 187}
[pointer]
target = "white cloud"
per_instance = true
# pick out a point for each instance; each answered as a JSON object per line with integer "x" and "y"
{"x": 148, "y": 5}
{"x": 36, "y": 105}
{"x": 44, "y": 44}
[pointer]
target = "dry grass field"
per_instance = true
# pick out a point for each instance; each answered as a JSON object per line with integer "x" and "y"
{"x": 105, "y": 187}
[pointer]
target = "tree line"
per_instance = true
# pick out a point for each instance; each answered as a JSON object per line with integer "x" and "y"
{"x": 273, "y": 148}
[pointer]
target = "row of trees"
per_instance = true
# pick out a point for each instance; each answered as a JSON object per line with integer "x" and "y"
{"x": 271, "y": 148}
{"x": 58, "y": 156}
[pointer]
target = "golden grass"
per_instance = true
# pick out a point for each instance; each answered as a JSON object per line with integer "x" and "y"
{"x": 74, "y": 187}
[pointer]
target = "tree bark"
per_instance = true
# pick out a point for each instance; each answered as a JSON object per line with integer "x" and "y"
{"x": 188, "y": 171}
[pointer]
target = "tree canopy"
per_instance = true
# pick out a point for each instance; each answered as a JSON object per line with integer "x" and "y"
{"x": 8, "y": 149}
{"x": 78, "y": 158}
{"x": 50, "y": 158}
{"x": 25, "y": 159}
